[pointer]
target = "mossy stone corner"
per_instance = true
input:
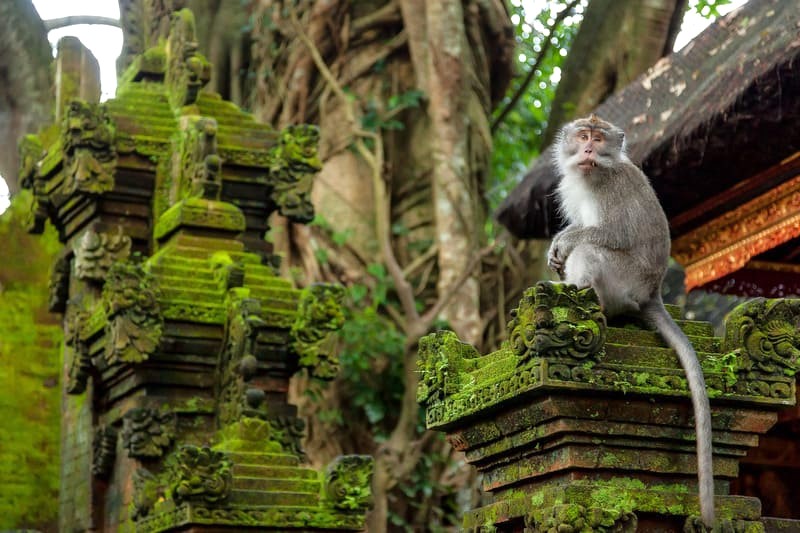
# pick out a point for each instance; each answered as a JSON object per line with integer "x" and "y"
{"x": 578, "y": 424}
{"x": 180, "y": 336}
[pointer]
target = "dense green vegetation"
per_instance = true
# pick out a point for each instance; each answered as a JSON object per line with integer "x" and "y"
{"x": 30, "y": 340}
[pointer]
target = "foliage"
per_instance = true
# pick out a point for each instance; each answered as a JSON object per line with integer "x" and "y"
{"x": 517, "y": 140}
{"x": 707, "y": 8}
{"x": 371, "y": 356}
{"x": 29, "y": 375}
{"x": 423, "y": 487}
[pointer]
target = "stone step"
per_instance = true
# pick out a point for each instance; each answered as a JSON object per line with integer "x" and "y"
{"x": 304, "y": 486}
{"x": 174, "y": 260}
{"x": 638, "y": 337}
{"x": 266, "y": 279}
{"x": 192, "y": 294}
{"x": 202, "y": 253}
{"x": 697, "y": 328}
{"x": 165, "y": 271}
{"x": 208, "y": 243}
{"x": 274, "y": 472}
{"x": 646, "y": 356}
{"x": 263, "y": 459}
{"x": 259, "y": 497}
{"x": 186, "y": 283}
{"x": 289, "y": 297}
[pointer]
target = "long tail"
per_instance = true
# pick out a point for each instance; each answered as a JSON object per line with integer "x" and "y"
{"x": 656, "y": 315}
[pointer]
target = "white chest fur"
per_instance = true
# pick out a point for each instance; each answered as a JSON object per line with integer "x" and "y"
{"x": 577, "y": 203}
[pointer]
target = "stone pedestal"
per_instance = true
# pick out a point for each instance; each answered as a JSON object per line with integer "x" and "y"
{"x": 180, "y": 336}
{"x": 580, "y": 425}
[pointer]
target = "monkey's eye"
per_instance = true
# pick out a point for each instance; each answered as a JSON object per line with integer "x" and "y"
{"x": 597, "y": 139}
{"x": 583, "y": 136}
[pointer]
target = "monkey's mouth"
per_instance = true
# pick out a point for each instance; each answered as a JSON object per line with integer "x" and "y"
{"x": 587, "y": 164}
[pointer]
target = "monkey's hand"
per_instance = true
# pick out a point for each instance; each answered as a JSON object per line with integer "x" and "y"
{"x": 556, "y": 257}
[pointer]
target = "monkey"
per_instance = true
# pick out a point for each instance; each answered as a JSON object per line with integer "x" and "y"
{"x": 617, "y": 242}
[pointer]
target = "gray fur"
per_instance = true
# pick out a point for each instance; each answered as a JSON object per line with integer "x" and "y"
{"x": 617, "y": 241}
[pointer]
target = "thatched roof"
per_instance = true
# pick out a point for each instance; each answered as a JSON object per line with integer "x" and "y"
{"x": 699, "y": 121}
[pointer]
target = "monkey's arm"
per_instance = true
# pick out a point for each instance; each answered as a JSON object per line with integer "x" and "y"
{"x": 567, "y": 240}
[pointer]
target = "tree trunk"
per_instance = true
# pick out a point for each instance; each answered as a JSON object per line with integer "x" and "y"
{"x": 402, "y": 91}
{"x": 25, "y": 81}
{"x": 616, "y": 42}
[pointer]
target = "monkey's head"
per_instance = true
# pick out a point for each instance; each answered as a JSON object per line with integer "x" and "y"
{"x": 589, "y": 146}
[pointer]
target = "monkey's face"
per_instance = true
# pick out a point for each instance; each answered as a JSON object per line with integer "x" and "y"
{"x": 590, "y": 145}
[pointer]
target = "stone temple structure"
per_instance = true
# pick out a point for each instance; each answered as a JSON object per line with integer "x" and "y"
{"x": 180, "y": 336}
{"x": 578, "y": 425}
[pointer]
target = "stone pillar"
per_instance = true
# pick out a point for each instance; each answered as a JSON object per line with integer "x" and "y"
{"x": 77, "y": 74}
{"x": 181, "y": 337}
{"x": 580, "y": 425}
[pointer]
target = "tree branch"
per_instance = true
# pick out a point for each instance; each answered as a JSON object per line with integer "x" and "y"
{"x": 532, "y": 72}
{"x": 74, "y": 20}
{"x": 436, "y": 308}
{"x": 405, "y": 292}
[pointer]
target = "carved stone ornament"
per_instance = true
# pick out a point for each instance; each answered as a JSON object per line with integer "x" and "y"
{"x": 442, "y": 360}
{"x": 147, "y": 432}
{"x": 238, "y": 365}
{"x": 574, "y": 517}
{"x": 290, "y": 432}
{"x": 200, "y": 165}
{"x": 764, "y": 334}
{"x": 694, "y": 524}
{"x": 348, "y": 479}
{"x": 187, "y": 70}
{"x": 147, "y": 490}
{"x": 58, "y": 286}
{"x": 104, "y": 450}
{"x": 134, "y": 321}
{"x": 291, "y": 174}
{"x": 88, "y": 144}
{"x": 319, "y": 315}
{"x": 556, "y": 320}
{"x": 199, "y": 474}
{"x": 144, "y": 23}
{"x": 95, "y": 252}
{"x": 79, "y": 364}
{"x": 30, "y": 153}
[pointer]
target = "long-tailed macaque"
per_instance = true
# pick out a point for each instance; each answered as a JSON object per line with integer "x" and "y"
{"x": 617, "y": 242}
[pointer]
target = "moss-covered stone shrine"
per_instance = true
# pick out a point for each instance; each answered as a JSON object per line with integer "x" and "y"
{"x": 180, "y": 336}
{"x": 582, "y": 426}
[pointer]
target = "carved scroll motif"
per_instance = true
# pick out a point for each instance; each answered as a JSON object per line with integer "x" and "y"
{"x": 558, "y": 321}
{"x": 95, "y": 252}
{"x": 319, "y": 315}
{"x": 347, "y": 482}
{"x": 442, "y": 360}
{"x": 104, "y": 450}
{"x": 764, "y": 336}
{"x": 88, "y": 145}
{"x": 135, "y": 323}
{"x": 295, "y": 161}
{"x": 574, "y": 517}
{"x": 147, "y": 432}
{"x": 199, "y": 474}
{"x": 79, "y": 364}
